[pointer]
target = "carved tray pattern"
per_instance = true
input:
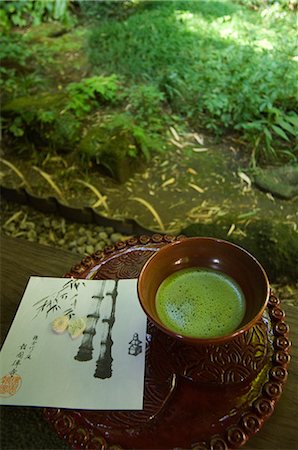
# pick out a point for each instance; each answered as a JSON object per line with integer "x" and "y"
{"x": 207, "y": 398}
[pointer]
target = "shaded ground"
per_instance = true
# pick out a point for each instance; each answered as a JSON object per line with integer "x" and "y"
{"x": 196, "y": 180}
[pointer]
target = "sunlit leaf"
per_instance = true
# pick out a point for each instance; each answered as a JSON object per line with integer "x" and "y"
{"x": 49, "y": 180}
{"x": 151, "y": 209}
{"x": 16, "y": 171}
{"x": 280, "y": 132}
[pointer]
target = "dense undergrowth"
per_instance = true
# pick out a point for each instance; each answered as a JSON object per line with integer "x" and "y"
{"x": 221, "y": 66}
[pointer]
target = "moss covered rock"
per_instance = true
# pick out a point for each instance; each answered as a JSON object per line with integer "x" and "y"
{"x": 281, "y": 181}
{"x": 274, "y": 244}
{"x": 110, "y": 152}
{"x": 118, "y": 145}
{"x": 32, "y": 103}
{"x": 43, "y": 120}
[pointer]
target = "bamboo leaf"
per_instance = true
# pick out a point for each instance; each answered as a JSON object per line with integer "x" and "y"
{"x": 16, "y": 171}
{"x": 101, "y": 198}
{"x": 175, "y": 134}
{"x": 14, "y": 217}
{"x": 168, "y": 182}
{"x": 245, "y": 178}
{"x": 192, "y": 171}
{"x": 177, "y": 144}
{"x": 231, "y": 229}
{"x": 248, "y": 214}
{"x": 151, "y": 209}
{"x": 196, "y": 187}
{"x": 49, "y": 180}
{"x": 200, "y": 150}
{"x": 199, "y": 138}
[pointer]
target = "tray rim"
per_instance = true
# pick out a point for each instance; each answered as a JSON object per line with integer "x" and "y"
{"x": 251, "y": 420}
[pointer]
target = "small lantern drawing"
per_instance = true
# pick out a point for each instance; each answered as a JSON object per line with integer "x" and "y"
{"x": 135, "y": 346}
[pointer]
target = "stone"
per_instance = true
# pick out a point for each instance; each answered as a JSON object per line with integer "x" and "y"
{"x": 23, "y": 225}
{"x": 115, "y": 237}
{"x": 281, "y": 181}
{"x": 55, "y": 224}
{"x": 99, "y": 246}
{"x": 273, "y": 243}
{"x": 89, "y": 249}
{"x": 48, "y": 121}
{"x": 42, "y": 240}
{"x": 32, "y": 235}
{"x": 82, "y": 231}
{"x": 39, "y": 32}
{"x": 47, "y": 223}
{"x": 30, "y": 225}
{"x": 103, "y": 235}
{"x": 10, "y": 227}
{"x": 81, "y": 240}
{"x": 92, "y": 240}
{"x": 117, "y": 146}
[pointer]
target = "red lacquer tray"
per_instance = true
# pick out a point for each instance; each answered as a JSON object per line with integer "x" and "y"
{"x": 211, "y": 397}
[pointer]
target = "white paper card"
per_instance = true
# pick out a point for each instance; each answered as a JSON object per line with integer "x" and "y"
{"x": 103, "y": 368}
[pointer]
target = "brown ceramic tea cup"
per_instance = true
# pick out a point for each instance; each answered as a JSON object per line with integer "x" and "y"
{"x": 218, "y": 257}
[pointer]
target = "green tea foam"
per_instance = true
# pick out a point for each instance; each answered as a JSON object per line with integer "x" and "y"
{"x": 199, "y": 302}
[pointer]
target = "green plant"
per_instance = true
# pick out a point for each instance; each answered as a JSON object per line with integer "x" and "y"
{"x": 275, "y": 126}
{"x": 87, "y": 93}
{"x": 145, "y": 103}
{"x": 96, "y": 10}
{"x": 284, "y": 4}
{"x": 141, "y": 141}
{"x": 27, "y": 12}
{"x": 41, "y": 121}
{"x": 116, "y": 138}
{"x": 18, "y": 76}
{"x": 217, "y": 64}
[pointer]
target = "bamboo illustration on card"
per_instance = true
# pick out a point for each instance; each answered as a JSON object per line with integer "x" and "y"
{"x": 53, "y": 302}
{"x": 82, "y": 329}
{"x": 104, "y": 362}
{"x": 86, "y": 348}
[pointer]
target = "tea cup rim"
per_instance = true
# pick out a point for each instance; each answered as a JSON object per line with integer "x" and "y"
{"x": 199, "y": 340}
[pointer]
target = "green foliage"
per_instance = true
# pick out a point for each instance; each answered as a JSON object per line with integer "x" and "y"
{"x": 14, "y": 56}
{"x": 218, "y": 64}
{"x": 87, "y": 93}
{"x": 284, "y": 4}
{"x": 118, "y": 133}
{"x": 143, "y": 142}
{"x": 55, "y": 117}
{"x": 118, "y": 144}
{"x": 13, "y": 50}
{"x": 22, "y": 13}
{"x": 41, "y": 121}
{"x": 146, "y": 103}
{"x": 264, "y": 132}
{"x": 105, "y": 9}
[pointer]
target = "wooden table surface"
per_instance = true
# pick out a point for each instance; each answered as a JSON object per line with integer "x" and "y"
{"x": 24, "y": 428}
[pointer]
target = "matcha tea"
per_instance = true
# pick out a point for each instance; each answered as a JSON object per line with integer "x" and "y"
{"x": 200, "y": 302}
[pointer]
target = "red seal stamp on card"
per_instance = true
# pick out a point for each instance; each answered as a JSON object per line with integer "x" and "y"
{"x": 9, "y": 385}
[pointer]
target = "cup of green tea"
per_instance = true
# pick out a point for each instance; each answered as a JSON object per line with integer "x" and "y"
{"x": 203, "y": 290}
